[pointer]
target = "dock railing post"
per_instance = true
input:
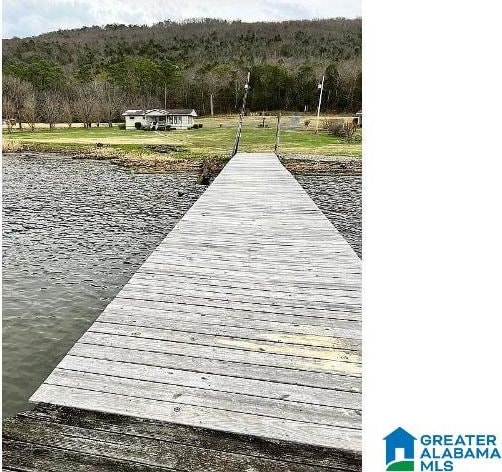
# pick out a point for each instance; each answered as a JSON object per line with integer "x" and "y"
{"x": 241, "y": 117}
{"x": 277, "y": 133}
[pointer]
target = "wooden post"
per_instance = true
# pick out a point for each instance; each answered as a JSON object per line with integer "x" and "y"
{"x": 241, "y": 117}
{"x": 277, "y": 133}
{"x": 321, "y": 86}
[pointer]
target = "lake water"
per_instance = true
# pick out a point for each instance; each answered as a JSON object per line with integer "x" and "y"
{"x": 340, "y": 199}
{"x": 75, "y": 231}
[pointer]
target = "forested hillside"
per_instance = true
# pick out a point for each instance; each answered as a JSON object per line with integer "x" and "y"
{"x": 94, "y": 73}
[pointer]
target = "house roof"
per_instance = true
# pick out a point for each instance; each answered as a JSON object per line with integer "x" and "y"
{"x": 156, "y": 112}
{"x": 133, "y": 112}
{"x": 400, "y": 433}
{"x": 182, "y": 111}
{"x": 161, "y": 112}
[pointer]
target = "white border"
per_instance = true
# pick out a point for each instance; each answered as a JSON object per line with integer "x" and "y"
{"x": 432, "y": 234}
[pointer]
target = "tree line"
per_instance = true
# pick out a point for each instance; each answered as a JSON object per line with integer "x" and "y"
{"x": 94, "y": 74}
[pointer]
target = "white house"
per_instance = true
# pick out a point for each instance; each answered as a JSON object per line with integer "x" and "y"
{"x": 159, "y": 119}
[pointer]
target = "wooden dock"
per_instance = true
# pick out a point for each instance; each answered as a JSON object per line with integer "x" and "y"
{"x": 244, "y": 321}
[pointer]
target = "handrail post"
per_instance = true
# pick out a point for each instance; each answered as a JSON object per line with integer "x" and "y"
{"x": 241, "y": 117}
{"x": 277, "y": 133}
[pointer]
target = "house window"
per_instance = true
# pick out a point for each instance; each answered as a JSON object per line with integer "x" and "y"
{"x": 131, "y": 117}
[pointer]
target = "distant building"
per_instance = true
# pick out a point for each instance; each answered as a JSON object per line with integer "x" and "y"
{"x": 359, "y": 118}
{"x": 159, "y": 119}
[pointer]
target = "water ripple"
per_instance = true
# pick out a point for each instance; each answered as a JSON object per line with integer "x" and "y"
{"x": 73, "y": 234}
{"x": 340, "y": 199}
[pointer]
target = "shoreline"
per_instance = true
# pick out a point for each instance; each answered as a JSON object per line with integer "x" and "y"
{"x": 165, "y": 160}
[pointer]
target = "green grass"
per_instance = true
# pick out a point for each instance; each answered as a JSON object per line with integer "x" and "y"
{"x": 215, "y": 139}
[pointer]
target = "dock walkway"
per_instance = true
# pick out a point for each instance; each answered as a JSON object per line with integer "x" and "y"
{"x": 246, "y": 319}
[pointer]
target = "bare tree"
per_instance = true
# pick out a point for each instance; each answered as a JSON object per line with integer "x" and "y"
{"x": 189, "y": 77}
{"x": 17, "y": 90}
{"x": 111, "y": 102}
{"x": 216, "y": 79}
{"x": 8, "y": 111}
{"x": 30, "y": 110}
{"x": 349, "y": 73}
{"x": 67, "y": 111}
{"x": 99, "y": 86}
{"x": 51, "y": 107}
{"x": 349, "y": 129}
{"x": 86, "y": 103}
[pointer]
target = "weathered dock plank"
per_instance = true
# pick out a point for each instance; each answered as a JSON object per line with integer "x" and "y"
{"x": 245, "y": 319}
{"x": 65, "y": 439}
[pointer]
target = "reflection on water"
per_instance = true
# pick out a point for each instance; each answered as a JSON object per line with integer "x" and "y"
{"x": 74, "y": 233}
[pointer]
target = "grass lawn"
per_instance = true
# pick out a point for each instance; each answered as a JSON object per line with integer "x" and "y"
{"x": 214, "y": 139}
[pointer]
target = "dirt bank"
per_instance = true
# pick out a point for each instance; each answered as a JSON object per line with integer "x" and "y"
{"x": 161, "y": 162}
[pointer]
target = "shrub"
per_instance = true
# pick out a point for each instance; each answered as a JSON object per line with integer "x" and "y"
{"x": 122, "y": 126}
{"x": 334, "y": 127}
{"x": 200, "y": 125}
{"x": 349, "y": 129}
{"x": 306, "y": 123}
{"x": 340, "y": 128}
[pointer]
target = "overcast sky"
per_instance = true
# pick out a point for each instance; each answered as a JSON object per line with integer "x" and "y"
{"x": 31, "y": 17}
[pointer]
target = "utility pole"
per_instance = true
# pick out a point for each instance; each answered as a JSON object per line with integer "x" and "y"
{"x": 319, "y": 86}
{"x": 165, "y": 96}
{"x": 241, "y": 116}
{"x": 277, "y": 132}
{"x": 211, "y": 103}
